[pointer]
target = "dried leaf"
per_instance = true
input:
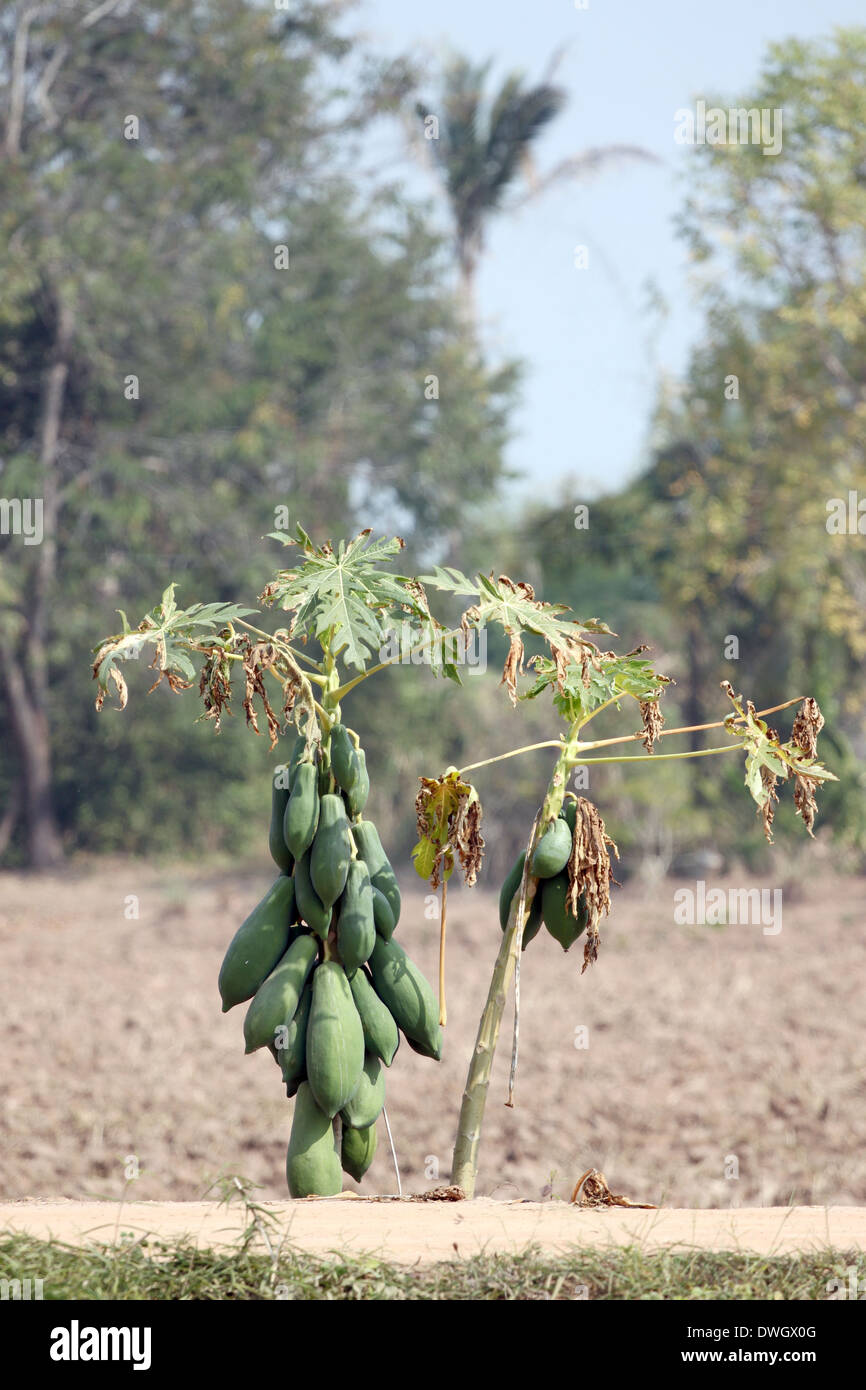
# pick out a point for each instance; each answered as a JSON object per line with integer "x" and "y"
{"x": 513, "y": 666}
{"x": 596, "y": 1193}
{"x": 807, "y": 726}
{"x": 590, "y": 872}
{"x": 258, "y": 658}
{"x": 653, "y": 723}
{"x": 766, "y": 811}
{"x": 448, "y": 816}
{"x": 804, "y": 799}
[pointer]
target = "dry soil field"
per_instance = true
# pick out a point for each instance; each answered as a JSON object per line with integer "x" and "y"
{"x": 725, "y": 1068}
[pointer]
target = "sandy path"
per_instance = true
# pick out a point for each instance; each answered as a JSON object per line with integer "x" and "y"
{"x": 410, "y": 1231}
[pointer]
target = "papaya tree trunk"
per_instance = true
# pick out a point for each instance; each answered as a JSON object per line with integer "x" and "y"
{"x": 464, "y": 1166}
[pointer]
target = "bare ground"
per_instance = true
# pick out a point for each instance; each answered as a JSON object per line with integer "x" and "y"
{"x": 725, "y": 1067}
{"x": 429, "y": 1231}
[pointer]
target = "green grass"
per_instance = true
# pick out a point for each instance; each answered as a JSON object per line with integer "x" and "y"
{"x": 156, "y": 1270}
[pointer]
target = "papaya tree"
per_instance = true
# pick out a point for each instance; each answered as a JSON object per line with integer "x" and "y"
{"x": 328, "y": 989}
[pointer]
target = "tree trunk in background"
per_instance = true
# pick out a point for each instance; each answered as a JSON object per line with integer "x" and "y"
{"x": 33, "y": 745}
{"x": 25, "y": 664}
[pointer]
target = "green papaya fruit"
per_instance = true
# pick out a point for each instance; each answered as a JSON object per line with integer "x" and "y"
{"x": 275, "y": 1002}
{"x": 292, "y": 1055}
{"x": 257, "y": 944}
{"x": 302, "y": 811}
{"x": 558, "y": 919}
{"x": 382, "y": 914}
{"x": 369, "y": 846}
{"x": 313, "y": 1166}
{"x": 381, "y": 1034}
{"x": 310, "y": 906}
{"x": 296, "y": 757}
{"x": 401, "y": 986}
{"x": 280, "y": 852}
{"x": 356, "y": 926}
{"x": 335, "y": 1039}
{"x": 511, "y": 886}
{"x": 332, "y": 850}
{"x": 358, "y": 1151}
{"x": 345, "y": 763}
{"x": 385, "y": 880}
{"x": 365, "y": 1106}
{"x": 357, "y": 794}
{"x": 569, "y": 813}
{"x": 553, "y": 850}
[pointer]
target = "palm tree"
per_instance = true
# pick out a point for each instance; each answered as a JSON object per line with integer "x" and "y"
{"x": 483, "y": 147}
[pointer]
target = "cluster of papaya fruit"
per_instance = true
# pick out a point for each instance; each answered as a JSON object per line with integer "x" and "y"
{"x": 330, "y": 989}
{"x": 549, "y": 864}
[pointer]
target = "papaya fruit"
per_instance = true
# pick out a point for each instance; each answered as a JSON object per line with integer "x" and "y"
{"x": 258, "y": 944}
{"x": 302, "y": 811}
{"x": 276, "y": 1000}
{"x": 331, "y": 853}
{"x": 369, "y": 846}
{"x": 280, "y": 852}
{"x": 313, "y": 1164}
{"x": 401, "y": 986}
{"x": 335, "y": 1040}
{"x": 358, "y": 1150}
{"x": 511, "y": 886}
{"x": 309, "y": 904}
{"x": 558, "y": 919}
{"x": 345, "y": 763}
{"x": 356, "y": 926}
{"x": 381, "y": 1034}
{"x": 292, "y": 1056}
{"x": 382, "y": 914}
{"x": 365, "y": 1106}
{"x": 569, "y": 813}
{"x": 386, "y": 882}
{"x": 357, "y": 794}
{"x": 296, "y": 757}
{"x": 552, "y": 851}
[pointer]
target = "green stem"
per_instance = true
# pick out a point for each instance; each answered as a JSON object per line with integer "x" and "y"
{"x": 500, "y": 758}
{"x": 663, "y": 757}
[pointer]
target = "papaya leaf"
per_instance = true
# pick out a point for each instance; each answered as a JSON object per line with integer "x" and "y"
{"x": 172, "y": 632}
{"x": 343, "y": 592}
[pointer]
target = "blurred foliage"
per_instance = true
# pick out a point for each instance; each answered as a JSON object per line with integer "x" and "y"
{"x": 727, "y": 535}
{"x": 305, "y": 388}
{"x": 260, "y": 387}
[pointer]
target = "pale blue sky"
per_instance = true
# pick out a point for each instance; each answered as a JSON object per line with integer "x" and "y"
{"x": 593, "y": 350}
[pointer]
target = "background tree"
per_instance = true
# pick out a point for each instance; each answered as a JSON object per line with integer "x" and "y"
{"x": 168, "y": 380}
{"x": 482, "y": 146}
{"x": 726, "y": 534}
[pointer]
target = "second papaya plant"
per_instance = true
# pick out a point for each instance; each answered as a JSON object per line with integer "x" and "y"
{"x": 328, "y": 989}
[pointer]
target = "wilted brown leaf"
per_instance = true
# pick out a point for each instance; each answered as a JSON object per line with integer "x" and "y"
{"x": 807, "y": 726}
{"x": 590, "y": 872}
{"x": 653, "y": 723}
{"x": 767, "y": 811}
{"x": 513, "y": 666}
{"x": 258, "y": 658}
